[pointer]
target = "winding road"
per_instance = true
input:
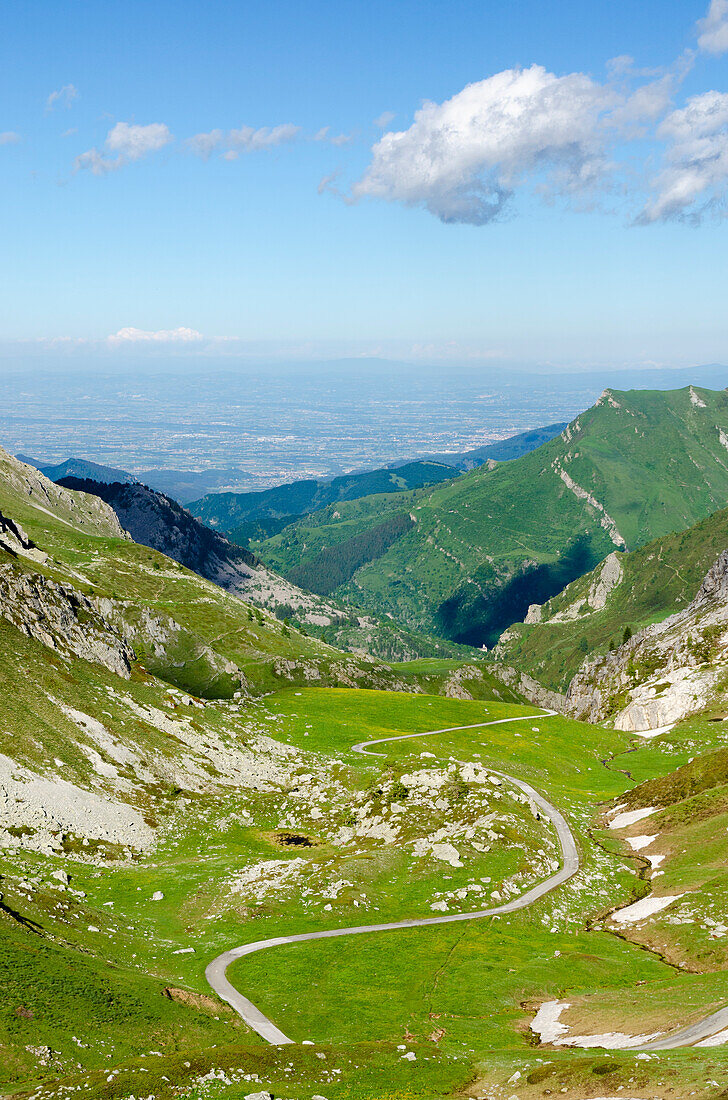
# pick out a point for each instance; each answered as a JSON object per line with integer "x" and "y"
{"x": 700, "y": 1032}
{"x": 254, "y": 1018}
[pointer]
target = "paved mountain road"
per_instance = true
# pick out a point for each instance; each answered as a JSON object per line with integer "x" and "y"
{"x": 216, "y": 971}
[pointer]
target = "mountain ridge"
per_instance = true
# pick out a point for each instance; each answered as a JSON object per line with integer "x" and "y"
{"x": 484, "y": 547}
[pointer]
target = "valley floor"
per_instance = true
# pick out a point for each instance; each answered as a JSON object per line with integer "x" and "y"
{"x": 104, "y": 976}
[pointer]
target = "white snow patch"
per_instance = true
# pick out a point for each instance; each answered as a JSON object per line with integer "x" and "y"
{"x": 657, "y": 732}
{"x": 640, "y": 910}
{"x": 630, "y": 817}
{"x": 547, "y": 1025}
{"x": 546, "y": 1021}
{"x": 638, "y": 842}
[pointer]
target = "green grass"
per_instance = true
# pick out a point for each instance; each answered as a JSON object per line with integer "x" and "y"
{"x": 93, "y": 961}
{"x": 356, "y": 998}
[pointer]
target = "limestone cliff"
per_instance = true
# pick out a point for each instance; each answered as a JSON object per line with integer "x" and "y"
{"x": 666, "y": 671}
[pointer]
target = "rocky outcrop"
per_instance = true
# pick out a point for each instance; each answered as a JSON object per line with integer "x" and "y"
{"x": 14, "y": 540}
{"x": 455, "y": 688}
{"x": 169, "y": 648}
{"x": 529, "y": 688}
{"x": 155, "y": 520}
{"x": 605, "y": 519}
{"x": 666, "y": 671}
{"x": 607, "y": 577}
{"x": 62, "y": 619}
{"x": 370, "y": 673}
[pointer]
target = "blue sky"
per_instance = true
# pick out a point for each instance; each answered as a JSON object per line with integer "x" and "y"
{"x": 291, "y": 238}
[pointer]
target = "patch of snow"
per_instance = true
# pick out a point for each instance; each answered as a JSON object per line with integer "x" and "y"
{"x": 647, "y": 907}
{"x": 630, "y": 817}
{"x": 546, "y": 1021}
{"x": 638, "y": 842}
{"x": 658, "y": 732}
{"x": 610, "y": 1040}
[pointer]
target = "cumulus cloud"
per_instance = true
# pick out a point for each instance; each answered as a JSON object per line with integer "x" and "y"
{"x": 694, "y": 180}
{"x": 125, "y": 143}
{"x": 63, "y": 97}
{"x": 9, "y": 137}
{"x": 462, "y": 159}
{"x": 163, "y": 336}
{"x": 713, "y": 29}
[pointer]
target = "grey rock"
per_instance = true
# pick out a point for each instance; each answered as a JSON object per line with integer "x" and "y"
{"x": 63, "y": 619}
{"x": 665, "y": 672}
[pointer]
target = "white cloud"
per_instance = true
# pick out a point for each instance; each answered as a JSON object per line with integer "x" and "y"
{"x": 384, "y": 120}
{"x": 713, "y": 29}
{"x": 250, "y": 140}
{"x": 125, "y": 143}
{"x": 163, "y": 336}
{"x": 246, "y": 139}
{"x": 646, "y": 103}
{"x": 9, "y": 137}
{"x": 324, "y": 134}
{"x": 132, "y": 142}
{"x": 204, "y": 145}
{"x": 63, "y": 97}
{"x": 694, "y": 181}
{"x": 327, "y": 183}
{"x": 463, "y": 158}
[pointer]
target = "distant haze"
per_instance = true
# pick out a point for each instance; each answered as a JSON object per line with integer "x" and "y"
{"x": 273, "y": 423}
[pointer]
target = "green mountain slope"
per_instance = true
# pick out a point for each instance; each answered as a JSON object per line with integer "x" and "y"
{"x": 188, "y": 630}
{"x": 257, "y": 515}
{"x": 490, "y": 543}
{"x": 628, "y": 592}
